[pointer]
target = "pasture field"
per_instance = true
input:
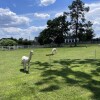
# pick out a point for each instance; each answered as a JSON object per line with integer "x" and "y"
{"x": 71, "y": 74}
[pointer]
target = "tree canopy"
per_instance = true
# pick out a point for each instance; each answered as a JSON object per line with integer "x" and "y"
{"x": 81, "y": 28}
{"x": 55, "y": 32}
{"x": 76, "y": 26}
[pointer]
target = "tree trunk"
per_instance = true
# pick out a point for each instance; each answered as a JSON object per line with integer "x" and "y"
{"x": 76, "y": 27}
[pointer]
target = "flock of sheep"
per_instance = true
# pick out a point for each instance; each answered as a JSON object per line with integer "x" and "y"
{"x": 26, "y": 60}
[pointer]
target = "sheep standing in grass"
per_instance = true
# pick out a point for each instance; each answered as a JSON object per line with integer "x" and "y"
{"x": 54, "y": 50}
{"x": 26, "y": 60}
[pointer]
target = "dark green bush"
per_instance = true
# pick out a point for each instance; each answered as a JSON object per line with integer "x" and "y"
{"x": 7, "y": 42}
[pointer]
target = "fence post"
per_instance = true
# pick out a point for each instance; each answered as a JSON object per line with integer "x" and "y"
{"x": 2, "y": 47}
{"x": 95, "y": 53}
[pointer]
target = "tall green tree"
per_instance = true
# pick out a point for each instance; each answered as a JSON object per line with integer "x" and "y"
{"x": 77, "y": 15}
{"x": 89, "y": 31}
{"x": 44, "y": 37}
{"x": 55, "y": 32}
{"x": 85, "y": 32}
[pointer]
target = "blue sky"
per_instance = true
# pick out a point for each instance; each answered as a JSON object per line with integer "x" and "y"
{"x": 27, "y": 18}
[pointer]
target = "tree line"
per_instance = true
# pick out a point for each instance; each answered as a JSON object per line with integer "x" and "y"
{"x": 13, "y": 41}
{"x": 72, "y": 23}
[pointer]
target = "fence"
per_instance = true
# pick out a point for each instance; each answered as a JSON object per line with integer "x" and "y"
{"x": 22, "y": 47}
{"x": 40, "y": 46}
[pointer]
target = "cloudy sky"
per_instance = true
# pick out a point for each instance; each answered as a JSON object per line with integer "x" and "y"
{"x": 26, "y": 18}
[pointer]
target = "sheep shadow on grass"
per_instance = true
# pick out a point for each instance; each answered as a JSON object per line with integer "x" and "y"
{"x": 22, "y": 70}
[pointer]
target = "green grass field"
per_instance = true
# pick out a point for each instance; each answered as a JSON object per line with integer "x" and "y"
{"x": 71, "y": 74}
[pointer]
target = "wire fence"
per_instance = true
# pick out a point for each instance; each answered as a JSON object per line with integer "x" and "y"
{"x": 90, "y": 52}
{"x": 19, "y": 47}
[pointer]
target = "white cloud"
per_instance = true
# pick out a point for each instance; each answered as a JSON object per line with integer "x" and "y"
{"x": 94, "y": 16}
{"x": 13, "y": 25}
{"x": 93, "y": 5}
{"x": 11, "y": 19}
{"x": 47, "y": 2}
{"x": 41, "y": 15}
{"x": 19, "y": 32}
{"x": 58, "y": 14}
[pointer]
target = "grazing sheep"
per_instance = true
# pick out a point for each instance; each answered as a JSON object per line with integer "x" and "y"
{"x": 54, "y": 50}
{"x": 26, "y": 60}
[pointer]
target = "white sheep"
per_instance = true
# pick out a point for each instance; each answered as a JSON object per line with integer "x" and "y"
{"x": 54, "y": 50}
{"x": 26, "y": 60}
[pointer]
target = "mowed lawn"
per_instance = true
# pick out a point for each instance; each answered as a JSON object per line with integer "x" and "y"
{"x": 71, "y": 74}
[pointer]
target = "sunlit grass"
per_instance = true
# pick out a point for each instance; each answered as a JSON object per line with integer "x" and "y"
{"x": 71, "y": 74}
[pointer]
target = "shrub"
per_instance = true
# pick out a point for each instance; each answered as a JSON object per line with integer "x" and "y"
{"x": 7, "y": 42}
